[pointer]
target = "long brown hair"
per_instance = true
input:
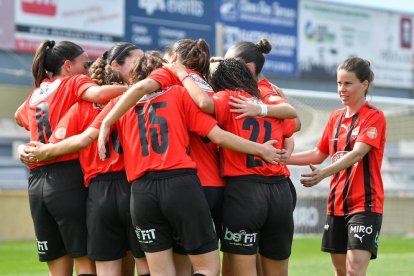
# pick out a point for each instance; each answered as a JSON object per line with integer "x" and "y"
{"x": 194, "y": 54}
{"x": 144, "y": 65}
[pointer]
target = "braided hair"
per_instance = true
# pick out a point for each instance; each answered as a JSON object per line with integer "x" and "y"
{"x": 233, "y": 74}
{"x": 145, "y": 64}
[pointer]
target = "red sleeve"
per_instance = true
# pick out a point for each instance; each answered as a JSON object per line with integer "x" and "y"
{"x": 68, "y": 125}
{"x": 372, "y": 130}
{"x": 23, "y": 116}
{"x": 288, "y": 127}
{"x": 273, "y": 98}
{"x": 323, "y": 144}
{"x": 269, "y": 96}
{"x": 221, "y": 107}
{"x": 80, "y": 84}
{"x": 98, "y": 120}
{"x": 164, "y": 77}
{"x": 197, "y": 121}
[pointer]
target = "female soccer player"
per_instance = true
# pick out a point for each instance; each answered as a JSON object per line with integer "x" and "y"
{"x": 110, "y": 231}
{"x": 257, "y": 211}
{"x": 56, "y": 193}
{"x": 253, "y": 54}
{"x": 354, "y": 139}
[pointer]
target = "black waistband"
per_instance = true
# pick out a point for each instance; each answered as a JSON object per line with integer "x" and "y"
{"x": 168, "y": 174}
{"x": 258, "y": 178}
{"x": 54, "y": 166}
{"x": 120, "y": 175}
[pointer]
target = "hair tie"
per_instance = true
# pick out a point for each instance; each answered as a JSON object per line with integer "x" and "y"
{"x": 105, "y": 55}
{"x": 50, "y": 44}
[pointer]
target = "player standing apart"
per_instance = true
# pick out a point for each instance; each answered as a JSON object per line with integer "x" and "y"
{"x": 354, "y": 139}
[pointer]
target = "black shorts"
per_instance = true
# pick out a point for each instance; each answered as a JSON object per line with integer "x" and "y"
{"x": 293, "y": 192}
{"x": 169, "y": 207}
{"x": 215, "y": 196}
{"x": 356, "y": 231}
{"x": 110, "y": 231}
{"x": 258, "y": 214}
{"x": 57, "y": 198}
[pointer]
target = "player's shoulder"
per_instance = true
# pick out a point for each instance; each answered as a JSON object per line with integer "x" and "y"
{"x": 371, "y": 109}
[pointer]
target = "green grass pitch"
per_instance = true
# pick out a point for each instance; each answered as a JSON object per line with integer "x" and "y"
{"x": 395, "y": 257}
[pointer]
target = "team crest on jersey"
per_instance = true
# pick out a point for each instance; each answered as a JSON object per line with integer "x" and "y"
{"x": 355, "y": 132}
{"x": 45, "y": 89}
{"x": 153, "y": 95}
{"x": 201, "y": 83}
{"x": 274, "y": 98}
{"x": 372, "y": 132}
{"x": 60, "y": 133}
{"x": 338, "y": 155}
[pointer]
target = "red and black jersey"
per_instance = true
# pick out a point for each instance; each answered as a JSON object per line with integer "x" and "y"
{"x": 252, "y": 128}
{"x": 47, "y": 104}
{"x": 154, "y": 133}
{"x": 79, "y": 117}
{"x": 202, "y": 151}
{"x": 358, "y": 188}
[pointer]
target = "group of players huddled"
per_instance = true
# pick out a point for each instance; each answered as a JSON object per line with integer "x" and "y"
{"x": 162, "y": 158}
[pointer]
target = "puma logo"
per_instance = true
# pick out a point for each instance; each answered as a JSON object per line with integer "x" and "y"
{"x": 360, "y": 238}
{"x": 345, "y": 127}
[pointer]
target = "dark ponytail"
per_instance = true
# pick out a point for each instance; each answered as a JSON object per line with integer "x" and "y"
{"x": 50, "y": 57}
{"x": 194, "y": 54}
{"x": 250, "y": 52}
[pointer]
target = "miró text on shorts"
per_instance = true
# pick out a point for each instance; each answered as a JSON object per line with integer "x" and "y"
{"x": 361, "y": 229}
{"x": 241, "y": 237}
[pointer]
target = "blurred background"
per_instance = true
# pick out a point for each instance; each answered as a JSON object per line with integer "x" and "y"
{"x": 310, "y": 38}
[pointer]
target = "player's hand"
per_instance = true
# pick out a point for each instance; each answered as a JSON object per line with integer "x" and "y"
{"x": 270, "y": 154}
{"x": 244, "y": 106}
{"x": 102, "y": 139}
{"x": 177, "y": 68}
{"x": 313, "y": 178}
{"x": 24, "y": 156}
{"x": 38, "y": 151}
{"x": 284, "y": 156}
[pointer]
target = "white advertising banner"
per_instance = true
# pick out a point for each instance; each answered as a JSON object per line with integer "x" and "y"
{"x": 329, "y": 33}
{"x": 6, "y": 24}
{"x": 94, "y": 24}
